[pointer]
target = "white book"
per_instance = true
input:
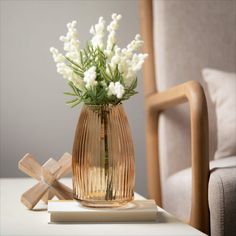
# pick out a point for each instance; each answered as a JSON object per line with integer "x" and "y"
{"x": 72, "y": 211}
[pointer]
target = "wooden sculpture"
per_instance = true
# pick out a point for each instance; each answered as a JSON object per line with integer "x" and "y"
{"x": 48, "y": 176}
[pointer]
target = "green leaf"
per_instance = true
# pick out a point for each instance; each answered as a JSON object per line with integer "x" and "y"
{"x": 78, "y": 73}
{"x": 113, "y": 46}
{"x": 76, "y": 103}
{"x": 109, "y": 67}
{"x": 69, "y": 94}
{"x": 104, "y": 74}
{"x": 76, "y": 69}
{"x": 102, "y": 94}
{"x": 72, "y": 101}
{"x": 133, "y": 84}
{"x": 81, "y": 58}
{"x": 86, "y": 53}
{"x": 73, "y": 88}
{"x": 73, "y": 63}
{"x": 92, "y": 94}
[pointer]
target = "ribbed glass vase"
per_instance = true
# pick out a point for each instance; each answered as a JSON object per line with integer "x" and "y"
{"x": 103, "y": 157}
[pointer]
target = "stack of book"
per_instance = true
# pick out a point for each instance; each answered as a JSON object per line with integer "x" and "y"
{"x": 72, "y": 211}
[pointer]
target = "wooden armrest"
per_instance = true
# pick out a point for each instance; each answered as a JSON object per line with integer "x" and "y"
{"x": 193, "y": 93}
{"x": 190, "y": 91}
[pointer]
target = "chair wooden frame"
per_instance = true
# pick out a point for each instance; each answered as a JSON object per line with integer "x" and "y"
{"x": 155, "y": 102}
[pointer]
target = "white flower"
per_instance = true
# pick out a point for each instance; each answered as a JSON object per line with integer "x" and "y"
{"x": 137, "y": 61}
{"x": 90, "y": 77}
{"x": 111, "y": 28}
{"x": 58, "y": 57}
{"x": 119, "y": 89}
{"x": 116, "y": 89}
{"x": 111, "y": 89}
{"x": 116, "y": 58}
{"x": 129, "y": 67}
{"x": 71, "y": 42}
{"x": 128, "y": 62}
{"x": 64, "y": 70}
{"x": 98, "y": 33}
{"x": 135, "y": 44}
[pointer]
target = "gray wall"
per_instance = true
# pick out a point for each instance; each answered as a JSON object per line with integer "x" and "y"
{"x": 34, "y": 117}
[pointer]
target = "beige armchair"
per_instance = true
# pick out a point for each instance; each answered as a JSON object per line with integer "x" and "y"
{"x": 181, "y": 38}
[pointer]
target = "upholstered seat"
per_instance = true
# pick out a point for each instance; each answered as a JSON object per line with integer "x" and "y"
{"x": 222, "y": 195}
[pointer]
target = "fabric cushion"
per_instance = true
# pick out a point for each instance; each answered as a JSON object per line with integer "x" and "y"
{"x": 222, "y": 195}
{"x": 222, "y": 91}
{"x": 222, "y": 201}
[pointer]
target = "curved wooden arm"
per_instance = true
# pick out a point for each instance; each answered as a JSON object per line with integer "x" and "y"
{"x": 192, "y": 93}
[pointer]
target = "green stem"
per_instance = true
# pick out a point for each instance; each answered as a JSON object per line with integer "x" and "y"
{"x": 109, "y": 188}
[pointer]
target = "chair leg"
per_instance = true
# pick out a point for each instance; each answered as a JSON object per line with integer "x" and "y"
{"x": 199, "y": 217}
{"x": 153, "y": 173}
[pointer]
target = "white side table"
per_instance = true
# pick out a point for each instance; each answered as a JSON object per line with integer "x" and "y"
{"x": 15, "y": 219}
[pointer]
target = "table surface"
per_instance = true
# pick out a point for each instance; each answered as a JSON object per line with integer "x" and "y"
{"x": 15, "y": 219}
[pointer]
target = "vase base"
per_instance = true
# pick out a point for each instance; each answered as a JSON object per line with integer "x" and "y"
{"x": 102, "y": 204}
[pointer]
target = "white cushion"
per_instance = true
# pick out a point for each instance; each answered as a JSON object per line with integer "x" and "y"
{"x": 222, "y": 91}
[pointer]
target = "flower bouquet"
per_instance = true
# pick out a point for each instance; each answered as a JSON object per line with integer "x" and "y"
{"x": 101, "y": 75}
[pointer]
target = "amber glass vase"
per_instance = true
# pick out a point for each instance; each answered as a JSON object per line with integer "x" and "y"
{"x": 103, "y": 157}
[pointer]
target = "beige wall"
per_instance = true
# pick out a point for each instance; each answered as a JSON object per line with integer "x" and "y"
{"x": 34, "y": 117}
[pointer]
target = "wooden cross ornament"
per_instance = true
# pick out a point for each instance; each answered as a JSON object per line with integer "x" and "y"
{"x": 48, "y": 176}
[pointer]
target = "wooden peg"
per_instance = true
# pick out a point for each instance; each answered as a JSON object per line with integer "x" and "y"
{"x": 65, "y": 163}
{"x": 30, "y": 166}
{"x": 53, "y": 166}
{"x": 48, "y": 176}
{"x": 47, "y": 196}
{"x": 32, "y": 196}
{"x": 61, "y": 191}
